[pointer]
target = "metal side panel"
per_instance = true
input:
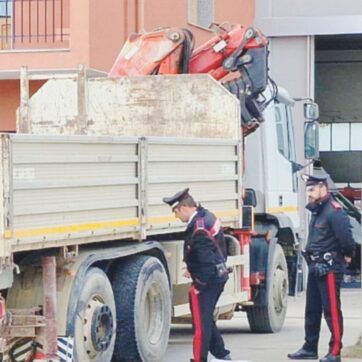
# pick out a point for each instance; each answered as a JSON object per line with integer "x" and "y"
{"x": 184, "y": 105}
{"x": 66, "y": 190}
{"x": 210, "y": 168}
{"x": 70, "y": 188}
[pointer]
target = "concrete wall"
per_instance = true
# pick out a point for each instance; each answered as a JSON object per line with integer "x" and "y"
{"x": 175, "y": 13}
{"x": 291, "y": 66}
{"x": 309, "y": 17}
{"x": 304, "y": 8}
{"x": 291, "y": 63}
{"x": 108, "y": 30}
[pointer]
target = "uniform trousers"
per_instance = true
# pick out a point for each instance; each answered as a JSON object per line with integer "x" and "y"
{"x": 206, "y": 335}
{"x": 323, "y": 295}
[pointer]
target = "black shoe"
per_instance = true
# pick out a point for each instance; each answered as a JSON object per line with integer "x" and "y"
{"x": 330, "y": 358}
{"x": 303, "y": 354}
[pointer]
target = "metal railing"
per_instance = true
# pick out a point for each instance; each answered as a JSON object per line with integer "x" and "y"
{"x": 34, "y": 24}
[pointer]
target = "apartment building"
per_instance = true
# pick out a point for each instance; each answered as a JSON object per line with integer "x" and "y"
{"x": 55, "y": 36}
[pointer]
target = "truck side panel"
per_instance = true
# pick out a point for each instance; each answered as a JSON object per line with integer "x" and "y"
{"x": 71, "y": 190}
{"x": 167, "y": 106}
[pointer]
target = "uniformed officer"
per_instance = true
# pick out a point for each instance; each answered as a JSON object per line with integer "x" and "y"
{"x": 205, "y": 256}
{"x": 330, "y": 245}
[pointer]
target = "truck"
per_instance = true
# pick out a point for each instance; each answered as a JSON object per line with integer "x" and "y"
{"x": 91, "y": 259}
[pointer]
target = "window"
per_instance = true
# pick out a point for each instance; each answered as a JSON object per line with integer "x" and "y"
{"x": 285, "y": 132}
{"x": 6, "y": 13}
{"x": 325, "y": 136}
{"x": 356, "y": 136}
{"x": 6, "y": 8}
{"x": 340, "y": 136}
{"x": 201, "y": 12}
{"x": 34, "y": 24}
{"x": 285, "y": 136}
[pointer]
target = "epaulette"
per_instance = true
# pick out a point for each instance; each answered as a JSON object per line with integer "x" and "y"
{"x": 213, "y": 231}
{"x": 336, "y": 205}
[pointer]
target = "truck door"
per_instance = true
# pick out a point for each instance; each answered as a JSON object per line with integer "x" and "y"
{"x": 279, "y": 153}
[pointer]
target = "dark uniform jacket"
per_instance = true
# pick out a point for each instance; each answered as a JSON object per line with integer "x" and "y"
{"x": 201, "y": 254}
{"x": 329, "y": 230}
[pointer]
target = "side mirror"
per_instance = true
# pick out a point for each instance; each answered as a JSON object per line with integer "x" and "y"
{"x": 249, "y": 197}
{"x": 311, "y": 111}
{"x": 311, "y": 140}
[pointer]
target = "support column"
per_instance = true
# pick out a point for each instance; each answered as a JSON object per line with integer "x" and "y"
{"x": 49, "y": 287}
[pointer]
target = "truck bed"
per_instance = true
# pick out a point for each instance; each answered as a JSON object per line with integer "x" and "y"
{"x": 61, "y": 188}
{"x": 67, "y": 190}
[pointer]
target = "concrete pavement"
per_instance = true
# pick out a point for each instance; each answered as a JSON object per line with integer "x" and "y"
{"x": 271, "y": 347}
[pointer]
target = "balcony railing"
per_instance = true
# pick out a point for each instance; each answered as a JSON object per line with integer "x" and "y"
{"x": 34, "y": 24}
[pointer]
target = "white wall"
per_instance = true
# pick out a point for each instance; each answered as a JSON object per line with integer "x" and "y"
{"x": 292, "y": 67}
{"x": 309, "y": 17}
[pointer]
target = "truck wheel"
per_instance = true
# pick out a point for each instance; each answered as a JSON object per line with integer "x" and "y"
{"x": 270, "y": 318}
{"x": 143, "y": 305}
{"x": 95, "y": 319}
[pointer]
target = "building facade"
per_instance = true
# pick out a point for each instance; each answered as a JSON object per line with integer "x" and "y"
{"x": 55, "y": 36}
{"x": 320, "y": 43}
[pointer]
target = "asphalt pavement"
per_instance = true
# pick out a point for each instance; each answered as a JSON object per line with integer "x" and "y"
{"x": 247, "y": 346}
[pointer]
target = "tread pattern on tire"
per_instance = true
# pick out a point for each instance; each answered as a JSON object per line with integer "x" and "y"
{"x": 259, "y": 317}
{"x": 124, "y": 289}
{"x": 127, "y": 282}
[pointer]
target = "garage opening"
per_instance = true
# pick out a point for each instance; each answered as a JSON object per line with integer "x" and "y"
{"x": 338, "y": 80}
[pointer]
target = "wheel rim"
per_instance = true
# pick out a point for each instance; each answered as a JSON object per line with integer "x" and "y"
{"x": 97, "y": 327}
{"x": 280, "y": 289}
{"x": 154, "y": 310}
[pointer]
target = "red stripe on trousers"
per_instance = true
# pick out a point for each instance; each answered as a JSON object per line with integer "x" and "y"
{"x": 195, "y": 305}
{"x": 334, "y": 314}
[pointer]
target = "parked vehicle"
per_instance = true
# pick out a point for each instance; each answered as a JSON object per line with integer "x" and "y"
{"x": 91, "y": 259}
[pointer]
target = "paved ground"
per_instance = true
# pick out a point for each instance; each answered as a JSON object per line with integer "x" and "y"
{"x": 271, "y": 347}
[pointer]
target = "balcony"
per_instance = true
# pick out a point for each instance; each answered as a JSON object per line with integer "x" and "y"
{"x": 27, "y": 25}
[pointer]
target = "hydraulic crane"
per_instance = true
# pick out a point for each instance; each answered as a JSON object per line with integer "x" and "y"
{"x": 241, "y": 52}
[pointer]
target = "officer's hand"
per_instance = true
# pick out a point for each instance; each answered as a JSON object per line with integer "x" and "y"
{"x": 186, "y": 273}
{"x": 348, "y": 259}
{"x": 196, "y": 291}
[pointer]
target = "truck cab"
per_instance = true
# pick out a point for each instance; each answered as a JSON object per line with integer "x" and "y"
{"x": 269, "y": 158}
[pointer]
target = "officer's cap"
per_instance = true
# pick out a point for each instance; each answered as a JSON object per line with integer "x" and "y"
{"x": 318, "y": 176}
{"x": 174, "y": 200}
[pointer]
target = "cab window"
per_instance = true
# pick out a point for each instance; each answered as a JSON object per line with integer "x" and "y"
{"x": 285, "y": 134}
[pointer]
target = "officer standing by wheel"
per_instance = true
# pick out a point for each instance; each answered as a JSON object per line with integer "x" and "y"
{"x": 330, "y": 245}
{"x": 205, "y": 256}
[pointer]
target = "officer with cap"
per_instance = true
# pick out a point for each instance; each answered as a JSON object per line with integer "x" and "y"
{"x": 205, "y": 256}
{"x": 330, "y": 245}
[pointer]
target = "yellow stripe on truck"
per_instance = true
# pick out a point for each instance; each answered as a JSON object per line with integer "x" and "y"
{"x": 63, "y": 229}
{"x": 71, "y": 228}
{"x": 291, "y": 208}
{"x": 169, "y": 219}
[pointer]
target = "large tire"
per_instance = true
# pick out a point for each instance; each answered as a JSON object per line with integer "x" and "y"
{"x": 143, "y": 305}
{"x": 270, "y": 318}
{"x": 95, "y": 319}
